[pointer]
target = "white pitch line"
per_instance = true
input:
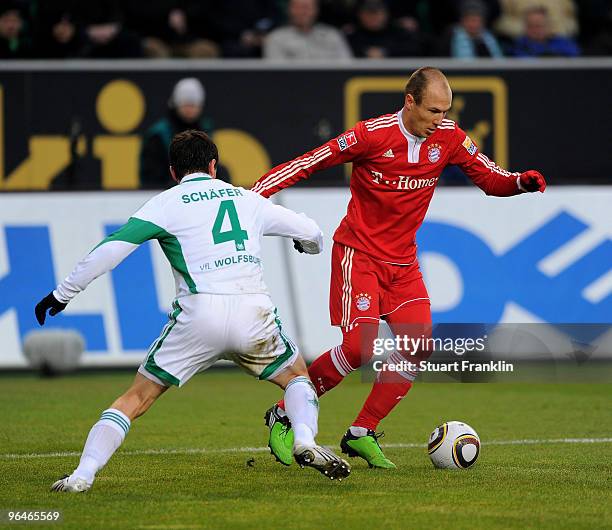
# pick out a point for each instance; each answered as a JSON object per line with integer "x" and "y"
{"x": 517, "y": 442}
{"x": 197, "y": 451}
{"x": 188, "y": 451}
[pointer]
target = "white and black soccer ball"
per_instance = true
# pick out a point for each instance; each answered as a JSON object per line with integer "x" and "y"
{"x": 453, "y": 445}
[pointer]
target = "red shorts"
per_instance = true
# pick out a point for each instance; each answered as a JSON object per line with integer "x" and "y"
{"x": 364, "y": 288}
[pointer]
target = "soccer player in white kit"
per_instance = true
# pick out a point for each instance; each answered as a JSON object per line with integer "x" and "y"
{"x": 210, "y": 232}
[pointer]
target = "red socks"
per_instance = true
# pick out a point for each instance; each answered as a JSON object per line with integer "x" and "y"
{"x": 323, "y": 374}
{"x": 391, "y": 387}
{"x": 383, "y": 397}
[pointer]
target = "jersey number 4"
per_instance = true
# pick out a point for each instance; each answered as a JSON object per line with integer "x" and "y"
{"x": 235, "y": 233}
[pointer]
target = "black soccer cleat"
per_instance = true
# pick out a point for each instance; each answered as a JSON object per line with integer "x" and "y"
{"x": 323, "y": 460}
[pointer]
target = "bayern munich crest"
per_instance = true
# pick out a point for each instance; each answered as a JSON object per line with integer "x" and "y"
{"x": 434, "y": 152}
{"x": 363, "y": 301}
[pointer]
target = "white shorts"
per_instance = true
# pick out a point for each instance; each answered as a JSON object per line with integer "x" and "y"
{"x": 204, "y": 328}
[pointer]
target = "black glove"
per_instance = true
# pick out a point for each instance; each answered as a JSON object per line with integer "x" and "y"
{"x": 298, "y": 246}
{"x": 51, "y": 303}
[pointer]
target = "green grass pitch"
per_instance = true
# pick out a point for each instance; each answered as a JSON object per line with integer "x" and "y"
{"x": 210, "y": 429}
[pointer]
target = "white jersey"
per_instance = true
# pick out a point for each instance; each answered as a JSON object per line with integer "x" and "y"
{"x": 210, "y": 232}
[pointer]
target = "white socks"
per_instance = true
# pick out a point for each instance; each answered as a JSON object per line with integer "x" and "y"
{"x": 302, "y": 407}
{"x": 105, "y": 437}
{"x": 358, "y": 431}
{"x": 103, "y": 440}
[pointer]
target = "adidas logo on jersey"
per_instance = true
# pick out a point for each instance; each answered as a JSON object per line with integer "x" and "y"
{"x": 389, "y": 154}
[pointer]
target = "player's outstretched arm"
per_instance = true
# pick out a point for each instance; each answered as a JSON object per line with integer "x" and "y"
{"x": 347, "y": 147}
{"x": 488, "y": 176}
{"x": 103, "y": 258}
{"x": 280, "y": 221}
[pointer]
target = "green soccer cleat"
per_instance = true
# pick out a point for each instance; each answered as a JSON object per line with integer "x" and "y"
{"x": 280, "y": 440}
{"x": 367, "y": 447}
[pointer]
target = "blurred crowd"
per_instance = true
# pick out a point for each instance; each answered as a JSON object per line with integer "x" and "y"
{"x": 304, "y": 29}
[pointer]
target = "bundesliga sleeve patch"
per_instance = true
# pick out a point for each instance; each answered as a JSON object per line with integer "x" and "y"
{"x": 346, "y": 140}
{"x": 470, "y": 146}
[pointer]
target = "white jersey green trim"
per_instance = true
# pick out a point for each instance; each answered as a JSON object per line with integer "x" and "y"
{"x": 137, "y": 231}
{"x": 210, "y": 232}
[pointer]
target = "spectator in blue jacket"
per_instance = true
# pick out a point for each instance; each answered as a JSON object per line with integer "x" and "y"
{"x": 538, "y": 40}
{"x": 470, "y": 39}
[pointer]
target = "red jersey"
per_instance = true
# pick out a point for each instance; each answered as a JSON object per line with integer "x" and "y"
{"x": 393, "y": 180}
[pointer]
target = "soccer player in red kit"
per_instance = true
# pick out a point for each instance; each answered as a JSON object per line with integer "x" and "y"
{"x": 397, "y": 161}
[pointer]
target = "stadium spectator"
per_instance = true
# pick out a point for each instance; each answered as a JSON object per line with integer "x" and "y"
{"x": 433, "y": 18}
{"x": 14, "y": 39}
{"x": 304, "y": 38}
{"x": 562, "y": 14}
{"x": 241, "y": 25}
{"x": 167, "y": 28}
{"x": 409, "y": 15}
{"x": 338, "y": 13}
{"x": 539, "y": 41}
{"x": 57, "y": 34}
{"x": 105, "y": 33}
{"x": 375, "y": 37}
{"x": 470, "y": 38}
{"x": 186, "y": 105}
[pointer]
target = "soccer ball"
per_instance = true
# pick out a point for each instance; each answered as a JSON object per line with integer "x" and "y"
{"x": 453, "y": 445}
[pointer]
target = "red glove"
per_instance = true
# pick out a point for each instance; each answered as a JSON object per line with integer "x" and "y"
{"x": 531, "y": 181}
